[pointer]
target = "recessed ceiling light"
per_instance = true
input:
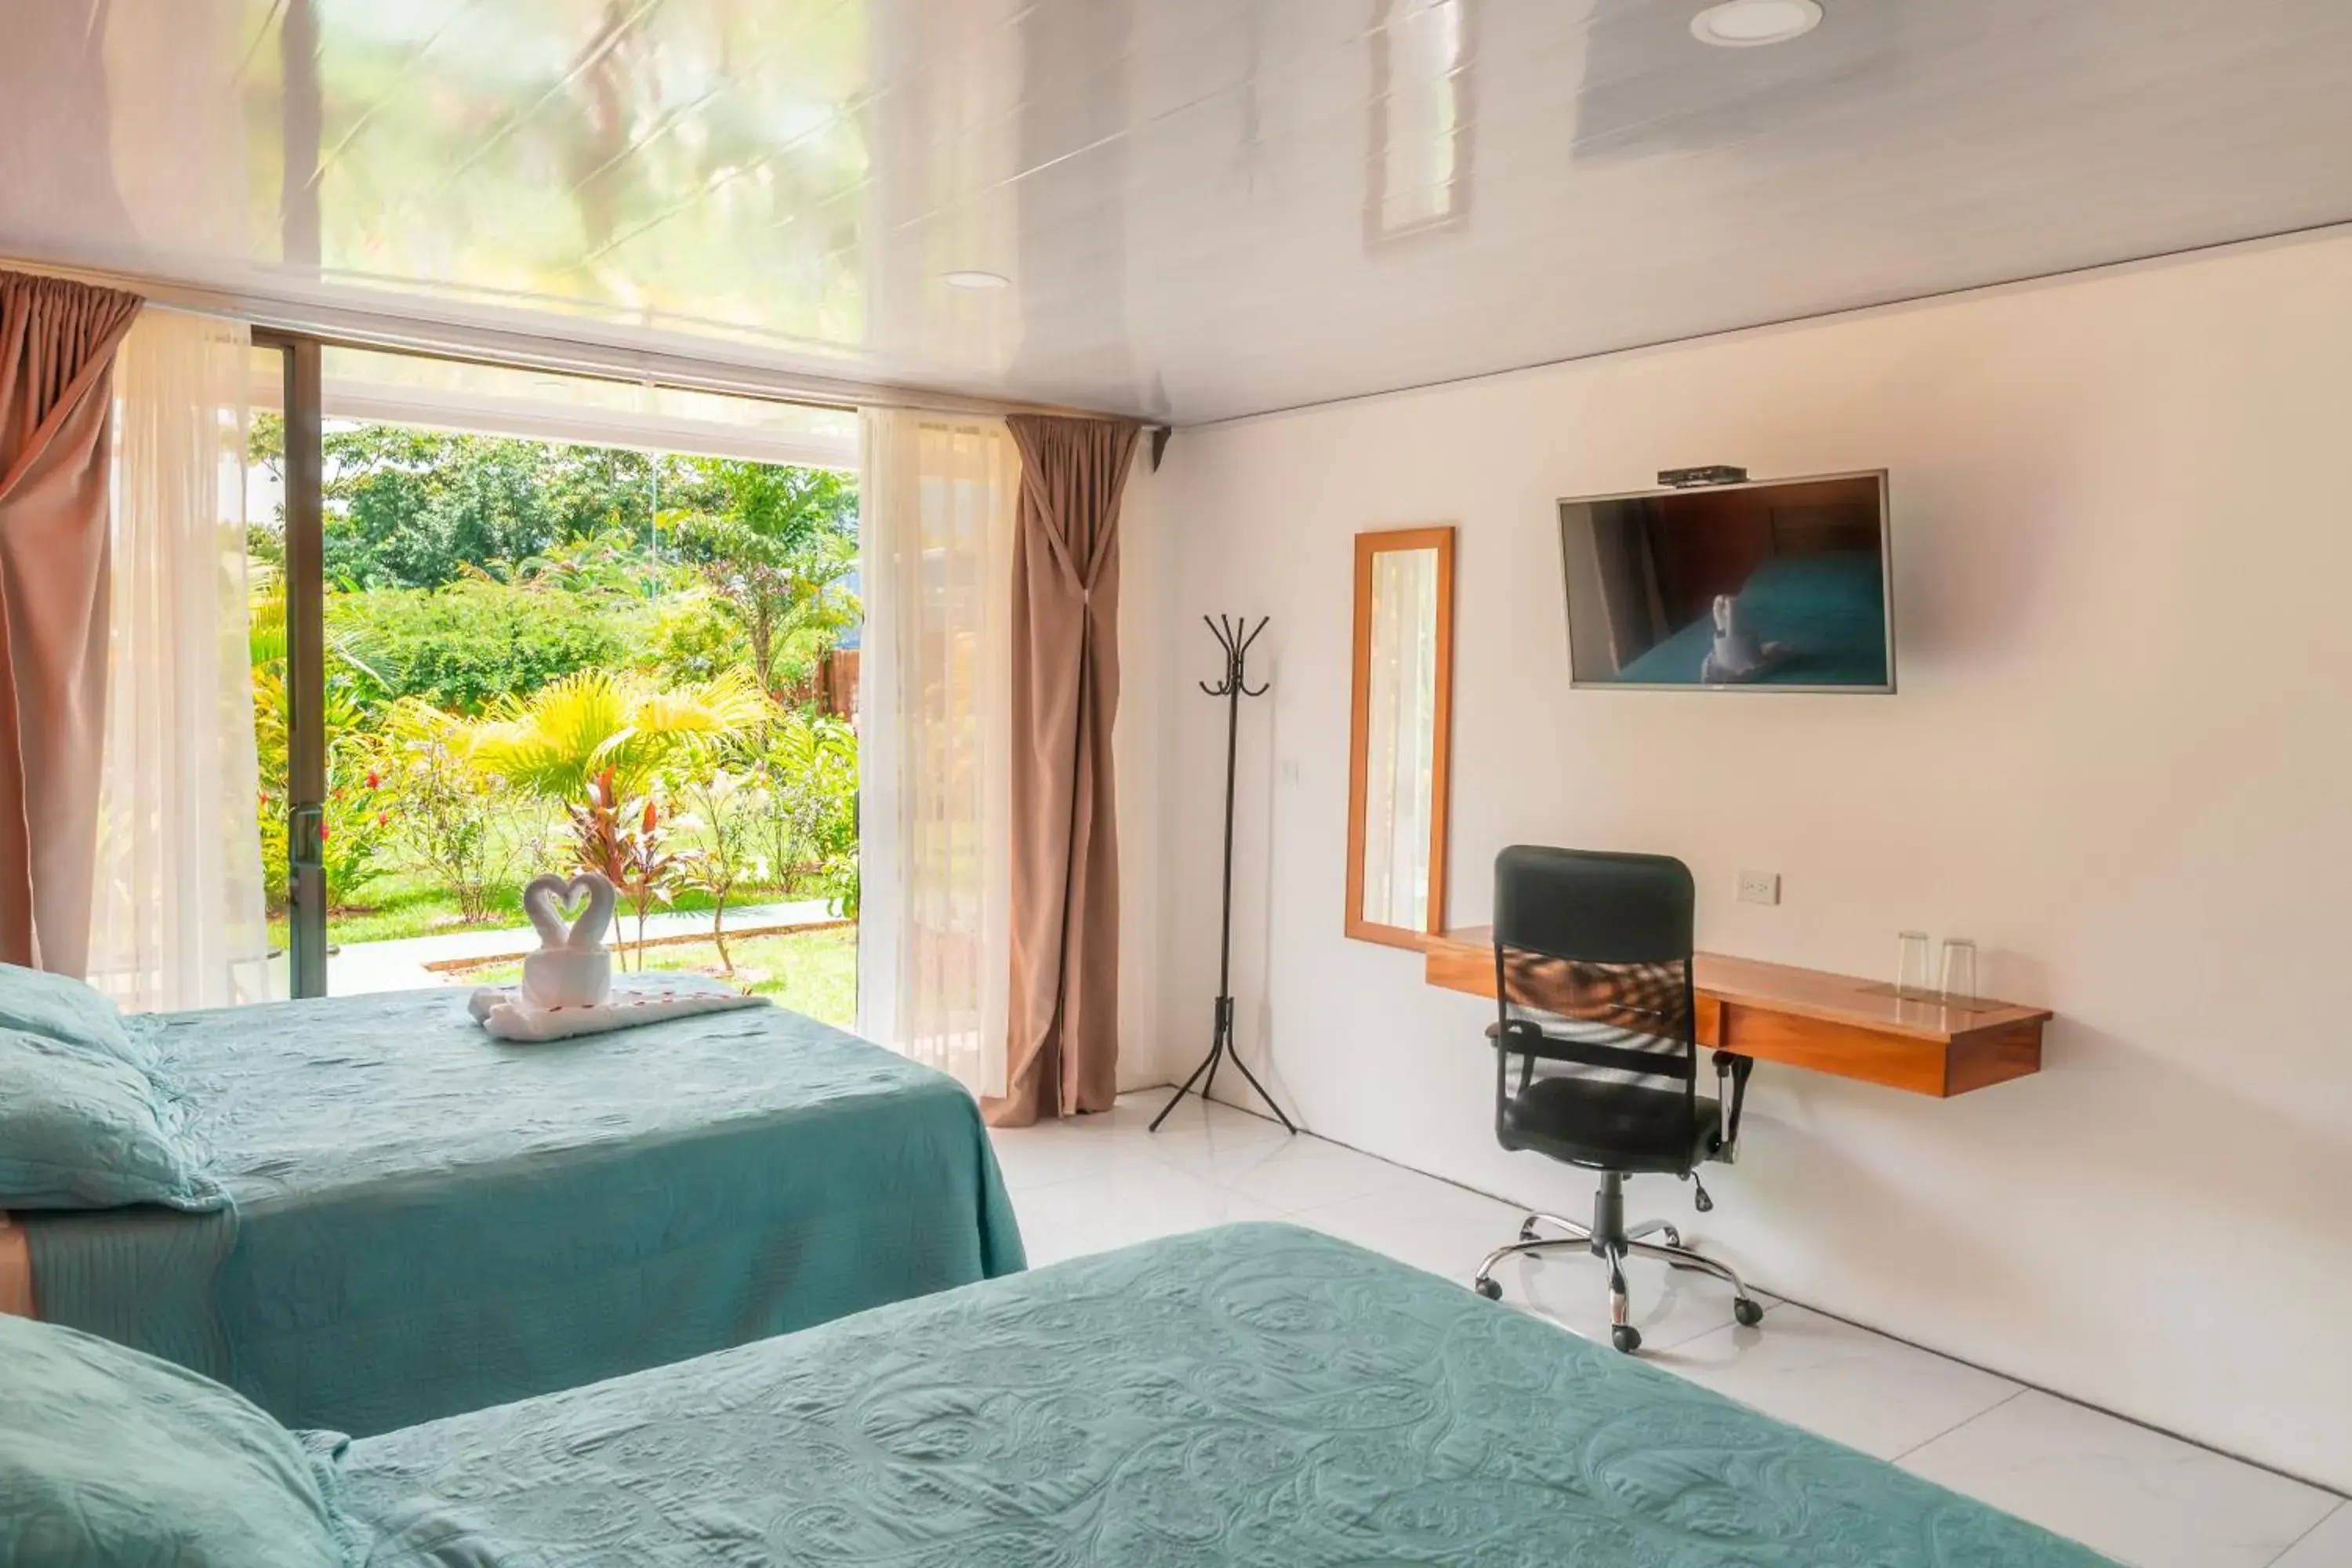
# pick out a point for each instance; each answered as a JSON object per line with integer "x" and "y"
{"x": 975, "y": 280}
{"x": 1750, "y": 24}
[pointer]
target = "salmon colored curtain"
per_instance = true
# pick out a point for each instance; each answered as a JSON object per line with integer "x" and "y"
{"x": 1062, "y": 1034}
{"x": 57, "y": 422}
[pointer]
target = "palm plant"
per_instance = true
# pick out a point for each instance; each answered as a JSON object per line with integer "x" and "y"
{"x": 558, "y": 740}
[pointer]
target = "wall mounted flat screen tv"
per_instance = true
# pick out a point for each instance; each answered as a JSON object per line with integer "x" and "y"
{"x": 1773, "y": 586}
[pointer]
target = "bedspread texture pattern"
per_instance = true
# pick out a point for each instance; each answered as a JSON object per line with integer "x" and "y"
{"x": 1257, "y": 1395}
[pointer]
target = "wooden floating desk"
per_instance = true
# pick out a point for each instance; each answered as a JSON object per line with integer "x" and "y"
{"x": 1809, "y": 1018}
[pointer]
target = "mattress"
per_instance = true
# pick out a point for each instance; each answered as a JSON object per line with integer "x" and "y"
{"x": 423, "y": 1220}
{"x": 1256, "y": 1394}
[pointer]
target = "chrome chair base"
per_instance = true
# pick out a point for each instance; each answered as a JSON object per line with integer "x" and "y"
{"x": 1614, "y": 1249}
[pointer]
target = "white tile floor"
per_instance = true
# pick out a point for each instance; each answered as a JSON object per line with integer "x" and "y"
{"x": 2138, "y": 1495}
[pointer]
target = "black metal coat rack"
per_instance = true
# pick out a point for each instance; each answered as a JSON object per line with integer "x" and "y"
{"x": 1231, "y": 637}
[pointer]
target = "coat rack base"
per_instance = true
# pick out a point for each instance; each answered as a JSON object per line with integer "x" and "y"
{"x": 1221, "y": 1049}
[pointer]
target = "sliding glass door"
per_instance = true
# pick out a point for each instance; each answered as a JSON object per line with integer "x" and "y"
{"x": 515, "y": 623}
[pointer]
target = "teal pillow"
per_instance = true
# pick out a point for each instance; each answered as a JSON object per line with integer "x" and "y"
{"x": 79, "y": 1130}
{"x": 111, "y": 1457}
{"x": 59, "y": 1009}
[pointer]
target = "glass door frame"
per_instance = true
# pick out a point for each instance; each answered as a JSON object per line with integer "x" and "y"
{"x": 305, "y": 664}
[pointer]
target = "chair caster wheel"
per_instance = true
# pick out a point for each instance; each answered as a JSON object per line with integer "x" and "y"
{"x": 1625, "y": 1337}
{"x": 1674, "y": 1237}
{"x": 1490, "y": 1289}
{"x": 1527, "y": 1230}
{"x": 1749, "y": 1312}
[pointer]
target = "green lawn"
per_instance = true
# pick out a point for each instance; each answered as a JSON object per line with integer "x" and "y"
{"x": 810, "y": 972}
{"x": 393, "y": 907}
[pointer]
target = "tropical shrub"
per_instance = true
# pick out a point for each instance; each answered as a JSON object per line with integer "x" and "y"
{"x": 810, "y": 764}
{"x": 689, "y": 634}
{"x": 454, "y": 823}
{"x": 627, "y": 840}
{"x": 356, "y": 828}
{"x": 650, "y": 865}
{"x": 464, "y": 646}
{"x": 355, "y": 837}
{"x": 599, "y": 831}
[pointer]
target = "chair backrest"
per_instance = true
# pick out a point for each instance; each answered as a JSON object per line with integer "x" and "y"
{"x": 1593, "y": 949}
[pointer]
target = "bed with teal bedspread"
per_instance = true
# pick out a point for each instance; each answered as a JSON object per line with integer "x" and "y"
{"x": 423, "y": 1220}
{"x": 1830, "y": 609}
{"x": 1257, "y": 1395}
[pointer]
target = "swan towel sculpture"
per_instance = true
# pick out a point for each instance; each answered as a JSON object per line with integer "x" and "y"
{"x": 572, "y": 968}
{"x": 567, "y": 985}
{"x": 1737, "y": 653}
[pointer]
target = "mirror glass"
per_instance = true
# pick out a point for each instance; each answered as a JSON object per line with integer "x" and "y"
{"x": 1400, "y": 766}
{"x": 1403, "y": 633}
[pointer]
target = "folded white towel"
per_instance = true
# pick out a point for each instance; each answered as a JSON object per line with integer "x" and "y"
{"x": 636, "y": 999}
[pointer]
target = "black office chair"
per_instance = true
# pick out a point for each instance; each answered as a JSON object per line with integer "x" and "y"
{"x": 1592, "y": 974}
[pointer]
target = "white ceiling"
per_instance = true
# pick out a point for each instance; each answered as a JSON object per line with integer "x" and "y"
{"x": 1206, "y": 207}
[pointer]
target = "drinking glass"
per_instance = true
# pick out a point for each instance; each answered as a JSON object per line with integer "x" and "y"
{"x": 1959, "y": 970}
{"x": 1911, "y": 966}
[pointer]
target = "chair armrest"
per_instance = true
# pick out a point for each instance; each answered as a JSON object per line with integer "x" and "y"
{"x": 1523, "y": 1037}
{"x": 1527, "y": 1039}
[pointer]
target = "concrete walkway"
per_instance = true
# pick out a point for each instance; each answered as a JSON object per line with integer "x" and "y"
{"x": 404, "y": 964}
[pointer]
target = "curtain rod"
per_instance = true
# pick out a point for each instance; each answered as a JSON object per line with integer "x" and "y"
{"x": 596, "y": 355}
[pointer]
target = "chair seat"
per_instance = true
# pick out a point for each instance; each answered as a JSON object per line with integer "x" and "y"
{"x": 1611, "y": 1126}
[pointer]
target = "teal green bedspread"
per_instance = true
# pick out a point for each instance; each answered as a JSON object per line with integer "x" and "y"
{"x": 425, "y": 1220}
{"x": 1257, "y": 1394}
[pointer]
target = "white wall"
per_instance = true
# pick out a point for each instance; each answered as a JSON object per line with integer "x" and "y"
{"x": 1138, "y": 737}
{"x": 2118, "y": 761}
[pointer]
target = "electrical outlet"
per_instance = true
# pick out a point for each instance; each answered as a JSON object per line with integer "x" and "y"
{"x": 1760, "y": 887}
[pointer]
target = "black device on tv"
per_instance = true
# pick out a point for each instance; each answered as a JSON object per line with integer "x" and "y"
{"x": 1771, "y": 585}
{"x": 1712, "y": 474}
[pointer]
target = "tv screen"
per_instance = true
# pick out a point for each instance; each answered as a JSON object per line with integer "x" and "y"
{"x": 1779, "y": 586}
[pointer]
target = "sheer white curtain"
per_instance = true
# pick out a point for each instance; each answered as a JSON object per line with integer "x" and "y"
{"x": 177, "y": 920}
{"x": 935, "y": 721}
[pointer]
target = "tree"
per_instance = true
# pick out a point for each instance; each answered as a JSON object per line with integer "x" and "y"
{"x": 726, "y": 811}
{"x": 776, "y": 550}
{"x": 409, "y": 508}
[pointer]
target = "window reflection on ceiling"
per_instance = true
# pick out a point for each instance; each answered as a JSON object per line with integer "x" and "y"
{"x": 1420, "y": 116}
{"x": 702, "y": 165}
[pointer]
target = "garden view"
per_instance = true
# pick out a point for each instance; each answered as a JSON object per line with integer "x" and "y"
{"x": 546, "y": 657}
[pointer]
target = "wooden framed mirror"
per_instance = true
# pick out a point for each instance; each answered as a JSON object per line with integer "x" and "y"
{"x": 1400, "y": 737}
